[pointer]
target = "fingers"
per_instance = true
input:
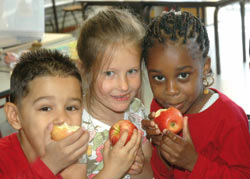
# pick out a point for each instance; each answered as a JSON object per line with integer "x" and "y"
{"x": 151, "y": 116}
{"x": 73, "y": 137}
{"x": 171, "y": 137}
{"x": 135, "y": 169}
{"x": 147, "y": 124}
{"x": 186, "y": 132}
{"x": 133, "y": 142}
{"x": 121, "y": 142}
{"x": 153, "y": 131}
{"x": 79, "y": 144}
{"x": 106, "y": 149}
{"x": 138, "y": 164}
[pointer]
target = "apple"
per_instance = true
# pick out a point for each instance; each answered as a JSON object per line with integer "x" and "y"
{"x": 118, "y": 128}
{"x": 59, "y": 132}
{"x": 170, "y": 119}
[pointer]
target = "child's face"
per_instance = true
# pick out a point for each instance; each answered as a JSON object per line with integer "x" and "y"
{"x": 119, "y": 80}
{"x": 50, "y": 100}
{"x": 175, "y": 77}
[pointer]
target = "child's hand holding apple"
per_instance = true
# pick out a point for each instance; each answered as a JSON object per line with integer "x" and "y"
{"x": 152, "y": 130}
{"x": 177, "y": 150}
{"x": 119, "y": 156}
{"x": 61, "y": 154}
{"x": 138, "y": 164}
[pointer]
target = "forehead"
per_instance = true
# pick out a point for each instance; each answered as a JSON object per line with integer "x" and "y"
{"x": 50, "y": 85}
{"x": 170, "y": 55}
{"x": 121, "y": 55}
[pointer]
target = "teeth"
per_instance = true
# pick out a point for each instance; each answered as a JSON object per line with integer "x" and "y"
{"x": 120, "y": 96}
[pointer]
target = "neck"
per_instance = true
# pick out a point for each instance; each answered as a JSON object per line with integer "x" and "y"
{"x": 26, "y": 147}
{"x": 200, "y": 102}
{"x": 105, "y": 115}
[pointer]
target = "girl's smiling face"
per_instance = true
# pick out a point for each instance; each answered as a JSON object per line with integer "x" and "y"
{"x": 119, "y": 80}
{"x": 176, "y": 77}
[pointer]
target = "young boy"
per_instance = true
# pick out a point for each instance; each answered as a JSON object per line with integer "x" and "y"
{"x": 45, "y": 91}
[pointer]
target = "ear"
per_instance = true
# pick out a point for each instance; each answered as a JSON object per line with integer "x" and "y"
{"x": 11, "y": 112}
{"x": 207, "y": 66}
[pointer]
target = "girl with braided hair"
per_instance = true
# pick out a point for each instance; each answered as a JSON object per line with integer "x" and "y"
{"x": 215, "y": 141}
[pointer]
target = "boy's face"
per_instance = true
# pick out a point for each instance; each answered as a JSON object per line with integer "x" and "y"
{"x": 119, "y": 80}
{"x": 175, "y": 77}
{"x": 50, "y": 100}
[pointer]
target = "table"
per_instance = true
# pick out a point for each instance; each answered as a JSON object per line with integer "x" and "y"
{"x": 146, "y": 5}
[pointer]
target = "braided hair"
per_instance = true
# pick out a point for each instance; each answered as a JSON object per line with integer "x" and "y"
{"x": 178, "y": 27}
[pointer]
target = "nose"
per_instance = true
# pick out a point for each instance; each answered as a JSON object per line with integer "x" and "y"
{"x": 123, "y": 83}
{"x": 61, "y": 117}
{"x": 171, "y": 88}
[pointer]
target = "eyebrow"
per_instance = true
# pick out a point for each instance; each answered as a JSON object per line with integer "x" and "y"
{"x": 51, "y": 97}
{"x": 43, "y": 97}
{"x": 184, "y": 67}
{"x": 179, "y": 69}
{"x": 76, "y": 99}
{"x": 154, "y": 71}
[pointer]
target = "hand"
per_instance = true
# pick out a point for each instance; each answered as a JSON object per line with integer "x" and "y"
{"x": 153, "y": 132}
{"x": 120, "y": 157}
{"x": 138, "y": 164}
{"x": 61, "y": 154}
{"x": 178, "y": 150}
{"x": 75, "y": 171}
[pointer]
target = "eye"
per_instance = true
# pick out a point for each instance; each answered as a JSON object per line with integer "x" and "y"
{"x": 109, "y": 73}
{"x": 132, "y": 71}
{"x": 159, "y": 78}
{"x": 72, "y": 108}
{"x": 183, "y": 76}
{"x": 45, "y": 108}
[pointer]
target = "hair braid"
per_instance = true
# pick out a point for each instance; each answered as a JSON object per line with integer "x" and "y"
{"x": 177, "y": 27}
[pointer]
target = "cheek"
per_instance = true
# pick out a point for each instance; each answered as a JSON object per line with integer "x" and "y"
{"x": 136, "y": 82}
{"x": 157, "y": 90}
{"x": 103, "y": 87}
{"x": 192, "y": 90}
{"x": 76, "y": 119}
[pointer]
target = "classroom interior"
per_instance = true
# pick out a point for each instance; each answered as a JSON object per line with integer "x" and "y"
{"x": 234, "y": 80}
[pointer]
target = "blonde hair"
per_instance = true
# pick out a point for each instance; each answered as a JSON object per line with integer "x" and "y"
{"x": 105, "y": 31}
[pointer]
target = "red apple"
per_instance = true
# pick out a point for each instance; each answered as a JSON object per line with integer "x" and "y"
{"x": 170, "y": 119}
{"x": 59, "y": 132}
{"x": 118, "y": 128}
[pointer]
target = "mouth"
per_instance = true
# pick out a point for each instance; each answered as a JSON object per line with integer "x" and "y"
{"x": 177, "y": 105}
{"x": 120, "y": 97}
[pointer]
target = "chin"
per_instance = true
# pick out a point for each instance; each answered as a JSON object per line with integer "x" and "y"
{"x": 121, "y": 107}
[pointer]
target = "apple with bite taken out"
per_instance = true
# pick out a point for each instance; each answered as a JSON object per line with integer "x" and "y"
{"x": 170, "y": 119}
{"x": 118, "y": 128}
{"x": 59, "y": 132}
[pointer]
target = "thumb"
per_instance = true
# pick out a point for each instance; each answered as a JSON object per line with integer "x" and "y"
{"x": 107, "y": 146}
{"x": 106, "y": 150}
{"x": 186, "y": 132}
